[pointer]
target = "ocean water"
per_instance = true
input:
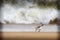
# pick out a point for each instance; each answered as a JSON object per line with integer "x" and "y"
{"x": 29, "y": 28}
{"x": 21, "y": 16}
{"x": 28, "y": 13}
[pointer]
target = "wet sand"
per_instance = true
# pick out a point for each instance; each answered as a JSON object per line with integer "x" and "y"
{"x": 29, "y": 28}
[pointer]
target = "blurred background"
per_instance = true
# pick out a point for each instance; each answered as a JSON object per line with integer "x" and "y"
{"x": 29, "y": 3}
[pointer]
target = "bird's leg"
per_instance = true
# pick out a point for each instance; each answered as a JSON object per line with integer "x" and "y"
{"x": 38, "y": 28}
